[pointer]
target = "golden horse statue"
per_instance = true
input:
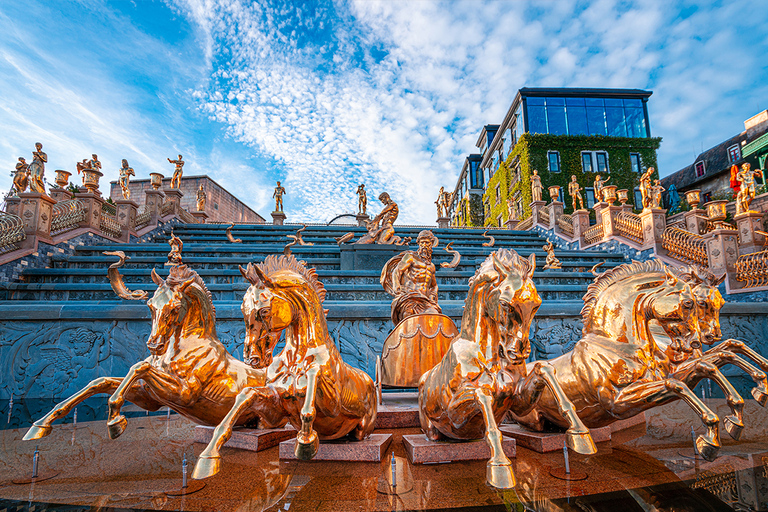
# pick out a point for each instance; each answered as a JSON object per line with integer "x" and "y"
{"x": 188, "y": 370}
{"x": 641, "y": 331}
{"x": 307, "y": 384}
{"x": 483, "y": 375}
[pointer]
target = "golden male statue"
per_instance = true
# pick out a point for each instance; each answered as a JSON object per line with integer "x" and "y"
{"x": 125, "y": 175}
{"x": 21, "y": 178}
{"x": 177, "y": 172}
{"x": 362, "y": 200}
{"x": 200, "y": 199}
{"x": 574, "y": 189}
{"x": 537, "y": 189}
{"x": 37, "y": 170}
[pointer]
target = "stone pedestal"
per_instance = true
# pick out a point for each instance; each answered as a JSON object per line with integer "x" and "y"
{"x": 654, "y": 222}
{"x": 398, "y": 410}
{"x": 722, "y": 253}
{"x": 367, "y": 450}
{"x": 36, "y": 211}
{"x": 60, "y": 194}
{"x": 511, "y": 224}
{"x": 608, "y": 219}
{"x": 153, "y": 203}
{"x": 92, "y": 204}
{"x": 278, "y": 218}
{"x": 126, "y": 214}
{"x": 362, "y": 218}
{"x": 444, "y": 222}
{"x": 695, "y": 220}
{"x": 421, "y": 450}
{"x": 580, "y": 225}
{"x": 200, "y": 216}
{"x": 174, "y": 196}
{"x": 251, "y": 439}
{"x": 367, "y": 256}
{"x": 748, "y": 224}
{"x": 544, "y": 442}
{"x": 556, "y": 209}
{"x": 535, "y": 207}
{"x": 599, "y": 207}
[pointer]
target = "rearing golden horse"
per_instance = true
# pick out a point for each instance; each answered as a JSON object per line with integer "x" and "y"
{"x": 307, "y": 384}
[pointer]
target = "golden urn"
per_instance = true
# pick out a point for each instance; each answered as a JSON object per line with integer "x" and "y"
{"x": 554, "y": 192}
{"x": 716, "y": 210}
{"x": 62, "y": 178}
{"x": 609, "y": 194}
{"x": 623, "y": 198}
{"x": 693, "y": 197}
{"x": 156, "y": 180}
{"x": 91, "y": 180}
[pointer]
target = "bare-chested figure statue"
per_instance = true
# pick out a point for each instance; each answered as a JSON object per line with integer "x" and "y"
{"x": 747, "y": 190}
{"x": 362, "y": 200}
{"x": 410, "y": 277}
{"x": 278, "y": 195}
{"x": 21, "y": 178}
{"x": 598, "y": 188}
{"x": 200, "y": 197}
{"x": 574, "y": 189}
{"x": 656, "y": 191}
{"x": 537, "y": 189}
{"x": 126, "y": 172}
{"x": 380, "y": 229}
{"x": 177, "y": 172}
{"x": 37, "y": 170}
{"x": 646, "y": 190}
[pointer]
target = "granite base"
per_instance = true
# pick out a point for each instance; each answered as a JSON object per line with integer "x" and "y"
{"x": 251, "y": 439}
{"x": 398, "y": 410}
{"x": 638, "y": 419}
{"x": 421, "y": 450}
{"x": 544, "y": 442}
{"x": 367, "y": 450}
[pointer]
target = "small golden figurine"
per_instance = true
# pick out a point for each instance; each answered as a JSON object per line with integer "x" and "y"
{"x": 552, "y": 262}
{"x": 574, "y": 189}
{"x": 37, "y": 170}
{"x": 656, "y": 191}
{"x": 174, "y": 257}
{"x": 380, "y": 229}
{"x": 646, "y": 189}
{"x": 598, "y": 186}
{"x": 443, "y": 203}
{"x": 201, "y": 198}
{"x": 21, "y": 178}
{"x": 362, "y": 200}
{"x": 125, "y": 175}
{"x": 537, "y": 189}
{"x": 484, "y": 375}
{"x": 278, "y": 195}
{"x": 177, "y": 172}
{"x": 512, "y": 210}
{"x": 746, "y": 177}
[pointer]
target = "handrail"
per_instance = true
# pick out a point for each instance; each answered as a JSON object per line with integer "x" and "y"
{"x": 109, "y": 209}
{"x": 593, "y": 234}
{"x": 525, "y": 225}
{"x": 167, "y": 207}
{"x": 67, "y": 215}
{"x": 752, "y": 269}
{"x": 565, "y": 222}
{"x": 186, "y": 217}
{"x": 110, "y": 226}
{"x": 685, "y": 246}
{"x": 11, "y": 232}
{"x": 543, "y": 217}
{"x": 142, "y": 219}
{"x": 629, "y": 226}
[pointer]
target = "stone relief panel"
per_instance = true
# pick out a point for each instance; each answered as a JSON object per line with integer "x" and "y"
{"x": 553, "y": 337}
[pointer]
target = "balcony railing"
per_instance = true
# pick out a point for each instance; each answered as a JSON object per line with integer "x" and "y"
{"x": 142, "y": 220}
{"x": 685, "y": 246}
{"x": 67, "y": 215}
{"x": 109, "y": 209}
{"x": 543, "y": 216}
{"x": 11, "y": 232}
{"x": 110, "y": 226}
{"x": 593, "y": 234}
{"x": 629, "y": 226}
{"x": 752, "y": 269}
{"x": 526, "y": 224}
{"x": 565, "y": 222}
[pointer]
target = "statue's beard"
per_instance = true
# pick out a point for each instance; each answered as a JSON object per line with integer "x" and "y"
{"x": 425, "y": 253}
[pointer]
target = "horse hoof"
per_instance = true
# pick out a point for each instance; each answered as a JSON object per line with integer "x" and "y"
{"x": 117, "y": 426}
{"x": 306, "y": 450}
{"x": 37, "y": 432}
{"x": 500, "y": 476}
{"x": 206, "y": 467}
{"x": 733, "y": 426}
{"x": 581, "y": 443}
{"x": 760, "y": 395}
{"x": 707, "y": 449}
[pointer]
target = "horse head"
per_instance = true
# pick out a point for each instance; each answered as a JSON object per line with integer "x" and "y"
{"x": 510, "y": 303}
{"x": 181, "y": 307}
{"x": 709, "y": 301}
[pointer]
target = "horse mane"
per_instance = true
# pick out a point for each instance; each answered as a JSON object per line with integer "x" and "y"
{"x": 182, "y": 273}
{"x": 508, "y": 258}
{"x": 274, "y": 263}
{"x": 609, "y": 277}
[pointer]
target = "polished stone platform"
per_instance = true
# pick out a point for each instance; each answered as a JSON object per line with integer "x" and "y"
{"x": 252, "y": 439}
{"x": 544, "y": 442}
{"x": 367, "y": 450}
{"x": 399, "y": 409}
{"x": 421, "y": 450}
{"x": 636, "y": 470}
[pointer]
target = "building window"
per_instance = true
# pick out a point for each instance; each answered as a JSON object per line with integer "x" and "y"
{"x": 602, "y": 161}
{"x": 590, "y": 192}
{"x": 638, "y": 199}
{"x": 554, "y": 161}
{"x": 634, "y": 162}
{"x": 586, "y": 162}
{"x": 498, "y": 193}
{"x": 699, "y": 169}
{"x": 734, "y": 153}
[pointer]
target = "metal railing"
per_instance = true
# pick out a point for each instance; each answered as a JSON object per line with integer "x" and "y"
{"x": 142, "y": 219}
{"x": 685, "y": 246}
{"x": 565, "y": 222}
{"x": 109, "y": 209}
{"x": 629, "y": 226}
{"x": 67, "y": 215}
{"x": 186, "y": 217}
{"x": 593, "y": 234}
{"x": 752, "y": 269}
{"x": 525, "y": 225}
{"x": 167, "y": 208}
{"x": 543, "y": 217}
{"x": 110, "y": 226}
{"x": 11, "y": 232}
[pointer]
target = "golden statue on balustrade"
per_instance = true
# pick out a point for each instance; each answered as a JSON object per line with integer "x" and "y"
{"x": 126, "y": 172}
{"x": 422, "y": 333}
{"x": 380, "y": 229}
{"x": 21, "y": 177}
{"x": 597, "y": 188}
{"x": 200, "y": 199}
{"x": 574, "y": 189}
{"x": 362, "y": 200}
{"x": 747, "y": 190}
{"x": 646, "y": 188}
{"x": 484, "y": 375}
{"x": 177, "y": 172}
{"x": 537, "y": 189}
{"x": 644, "y": 324}
{"x": 37, "y": 170}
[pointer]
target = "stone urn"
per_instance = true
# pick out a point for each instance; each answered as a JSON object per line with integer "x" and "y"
{"x": 609, "y": 194}
{"x": 623, "y": 198}
{"x": 716, "y": 210}
{"x": 91, "y": 180}
{"x": 156, "y": 180}
{"x": 693, "y": 197}
{"x": 62, "y": 178}
{"x": 554, "y": 192}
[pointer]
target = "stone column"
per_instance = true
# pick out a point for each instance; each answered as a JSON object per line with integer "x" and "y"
{"x": 722, "y": 253}
{"x": 174, "y": 195}
{"x": 695, "y": 220}
{"x": 153, "y": 203}
{"x": 654, "y": 223}
{"x": 511, "y": 224}
{"x": 608, "y": 216}
{"x": 126, "y": 214}
{"x": 580, "y": 225}
{"x": 442, "y": 222}
{"x": 200, "y": 216}
{"x": 748, "y": 224}
{"x": 278, "y": 218}
{"x": 362, "y": 218}
{"x": 555, "y": 210}
{"x": 92, "y": 204}
{"x": 60, "y": 194}
{"x": 599, "y": 207}
{"x": 36, "y": 211}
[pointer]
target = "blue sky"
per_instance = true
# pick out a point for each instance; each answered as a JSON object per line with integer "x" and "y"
{"x": 325, "y": 95}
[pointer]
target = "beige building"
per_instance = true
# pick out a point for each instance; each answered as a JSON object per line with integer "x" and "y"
{"x": 220, "y": 205}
